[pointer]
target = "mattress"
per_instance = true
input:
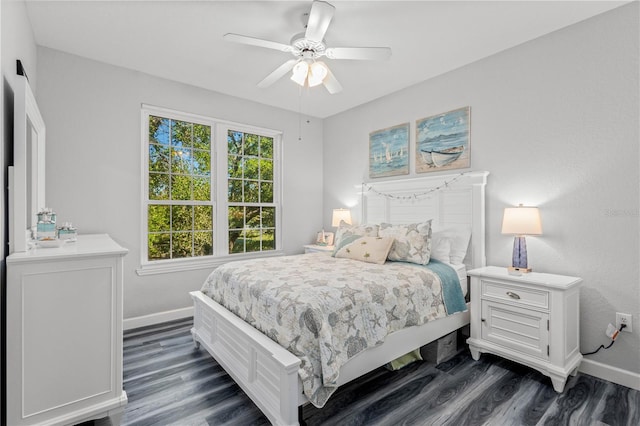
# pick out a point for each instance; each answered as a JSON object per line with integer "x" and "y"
{"x": 461, "y": 270}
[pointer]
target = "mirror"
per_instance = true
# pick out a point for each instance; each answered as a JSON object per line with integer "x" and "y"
{"x": 27, "y": 176}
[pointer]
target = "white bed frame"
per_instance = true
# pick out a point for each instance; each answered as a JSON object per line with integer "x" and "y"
{"x": 268, "y": 373}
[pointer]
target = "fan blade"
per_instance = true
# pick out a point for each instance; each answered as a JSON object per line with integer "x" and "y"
{"x": 331, "y": 83}
{"x": 319, "y": 19}
{"x": 237, "y": 38}
{"x": 278, "y": 73}
{"x": 358, "y": 53}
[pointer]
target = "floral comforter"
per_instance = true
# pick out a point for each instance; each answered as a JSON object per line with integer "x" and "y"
{"x": 326, "y": 310}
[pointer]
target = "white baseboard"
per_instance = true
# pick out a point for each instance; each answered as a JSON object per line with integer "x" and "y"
{"x": 160, "y": 317}
{"x": 612, "y": 374}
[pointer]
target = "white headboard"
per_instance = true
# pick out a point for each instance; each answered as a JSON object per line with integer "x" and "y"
{"x": 450, "y": 200}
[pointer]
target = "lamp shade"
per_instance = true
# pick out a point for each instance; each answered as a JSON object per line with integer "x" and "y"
{"x": 300, "y": 71}
{"x": 521, "y": 220}
{"x": 340, "y": 215}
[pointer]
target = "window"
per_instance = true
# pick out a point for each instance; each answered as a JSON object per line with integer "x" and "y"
{"x": 210, "y": 190}
{"x": 251, "y": 210}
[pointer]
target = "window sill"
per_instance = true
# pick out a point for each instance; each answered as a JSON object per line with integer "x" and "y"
{"x": 181, "y": 265}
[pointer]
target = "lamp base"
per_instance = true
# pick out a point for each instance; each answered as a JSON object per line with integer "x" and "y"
{"x": 514, "y": 270}
{"x": 519, "y": 259}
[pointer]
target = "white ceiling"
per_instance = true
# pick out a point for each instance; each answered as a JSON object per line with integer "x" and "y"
{"x": 182, "y": 40}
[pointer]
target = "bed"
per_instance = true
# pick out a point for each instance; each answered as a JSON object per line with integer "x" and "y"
{"x": 269, "y": 373}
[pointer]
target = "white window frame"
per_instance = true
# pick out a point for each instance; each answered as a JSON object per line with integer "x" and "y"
{"x": 219, "y": 185}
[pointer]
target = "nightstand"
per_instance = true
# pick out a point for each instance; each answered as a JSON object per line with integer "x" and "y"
{"x": 532, "y": 319}
{"x": 314, "y": 248}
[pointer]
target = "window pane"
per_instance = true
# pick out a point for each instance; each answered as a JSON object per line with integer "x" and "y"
{"x": 159, "y": 246}
{"x": 182, "y": 217}
{"x": 181, "y": 160}
{"x": 201, "y": 162}
{"x": 202, "y": 137}
{"x": 158, "y": 158}
{"x": 159, "y": 130}
{"x": 266, "y": 192}
{"x": 181, "y": 187}
{"x": 252, "y": 240}
{"x": 266, "y": 169}
{"x": 181, "y": 244}
{"x": 201, "y": 188}
{"x": 158, "y": 186}
{"x": 236, "y": 217}
{"x": 268, "y": 239}
{"x": 234, "y": 142}
{"x": 251, "y": 168}
{"x": 202, "y": 243}
{"x": 203, "y": 218}
{"x": 181, "y": 134}
{"x": 251, "y": 192}
{"x": 159, "y": 218}
{"x": 266, "y": 147}
{"x": 236, "y": 242}
{"x": 234, "y": 166}
{"x": 268, "y": 217}
{"x": 235, "y": 191}
{"x": 251, "y": 144}
{"x": 253, "y": 217}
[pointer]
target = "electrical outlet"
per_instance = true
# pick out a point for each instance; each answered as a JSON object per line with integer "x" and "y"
{"x": 624, "y": 319}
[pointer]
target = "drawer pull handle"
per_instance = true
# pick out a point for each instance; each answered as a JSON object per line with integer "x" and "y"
{"x": 513, "y": 295}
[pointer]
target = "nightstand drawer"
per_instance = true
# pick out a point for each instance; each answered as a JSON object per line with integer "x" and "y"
{"x": 516, "y": 328}
{"x": 514, "y": 294}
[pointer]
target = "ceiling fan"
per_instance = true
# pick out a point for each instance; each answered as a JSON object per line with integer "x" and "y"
{"x": 308, "y": 47}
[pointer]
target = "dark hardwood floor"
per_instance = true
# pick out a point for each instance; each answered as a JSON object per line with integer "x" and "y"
{"x": 169, "y": 382}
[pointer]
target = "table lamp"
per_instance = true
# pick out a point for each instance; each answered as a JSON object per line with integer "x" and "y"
{"x": 521, "y": 221}
{"x": 340, "y": 215}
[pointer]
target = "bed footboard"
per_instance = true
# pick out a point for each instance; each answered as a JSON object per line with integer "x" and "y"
{"x": 264, "y": 370}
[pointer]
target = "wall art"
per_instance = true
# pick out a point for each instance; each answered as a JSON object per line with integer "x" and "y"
{"x": 389, "y": 151}
{"x": 442, "y": 141}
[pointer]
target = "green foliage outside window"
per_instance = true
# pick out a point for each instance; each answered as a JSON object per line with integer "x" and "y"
{"x": 180, "y": 223}
{"x": 180, "y": 208}
{"x": 250, "y": 190}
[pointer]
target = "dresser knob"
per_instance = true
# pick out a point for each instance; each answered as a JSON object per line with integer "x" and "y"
{"x": 483, "y": 320}
{"x": 513, "y": 295}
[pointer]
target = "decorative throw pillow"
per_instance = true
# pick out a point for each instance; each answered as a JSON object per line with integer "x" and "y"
{"x": 457, "y": 239}
{"x": 344, "y": 230}
{"x": 366, "y": 249}
{"x": 412, "y": 242}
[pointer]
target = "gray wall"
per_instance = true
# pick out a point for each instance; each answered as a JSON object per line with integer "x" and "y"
{"x": 92, "y": 111}
{"x": 556, "y": 123}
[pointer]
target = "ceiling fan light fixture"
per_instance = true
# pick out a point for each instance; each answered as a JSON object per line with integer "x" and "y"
{"x": 317, "y": 73}
{"x": 300, "y": 71}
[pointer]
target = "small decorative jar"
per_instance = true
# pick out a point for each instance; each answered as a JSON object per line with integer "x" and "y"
{"x": 67, "y": 232}
{"x": 46, "y": 227}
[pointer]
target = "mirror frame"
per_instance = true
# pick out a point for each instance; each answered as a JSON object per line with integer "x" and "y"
{"x": 27, "y": 176}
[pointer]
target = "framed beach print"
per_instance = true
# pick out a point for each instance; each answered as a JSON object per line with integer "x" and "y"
{"x": 389, "y": 151}
{"x": 442, "y": 141}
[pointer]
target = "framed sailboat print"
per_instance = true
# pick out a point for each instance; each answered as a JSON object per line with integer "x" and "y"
{"x": 442, "y": 141}
{"x": 389, "y": 151}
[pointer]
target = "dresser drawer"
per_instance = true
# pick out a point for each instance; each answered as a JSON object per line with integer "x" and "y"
{"x": 516, "y": 328}
{"x": 516, "y": 295}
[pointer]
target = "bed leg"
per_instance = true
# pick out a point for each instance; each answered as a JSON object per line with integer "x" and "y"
{"x": 196, "y": 342}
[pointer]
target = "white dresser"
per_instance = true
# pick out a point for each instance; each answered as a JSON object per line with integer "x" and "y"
{"x": 64, "y": 333}
{"x": 533, "y": 319}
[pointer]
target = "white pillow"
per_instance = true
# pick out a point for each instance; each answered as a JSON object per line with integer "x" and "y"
{"x": 455, "y": 239}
